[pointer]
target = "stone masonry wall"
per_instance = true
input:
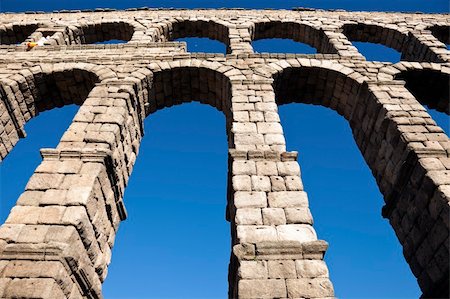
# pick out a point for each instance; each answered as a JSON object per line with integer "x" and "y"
{"x": 57, "y": 240}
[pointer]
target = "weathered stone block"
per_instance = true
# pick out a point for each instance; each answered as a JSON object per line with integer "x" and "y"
{"x": 277, "y": 183}
{"x": 311, "y": 268}
{"x": 242, "y": 183}
{"x": 244, "y": 167}
{"x": 293, "y": 183}
{"x": 244, "y": 251}
{"x": 38, "y": 288}
{"x": 298, "y": 215}
{"x": 309, "y": 288}
{"x": 260, "y": 183}
{"x": 248, "y": 216}
{"x": 282, "y": 269}
{"x": 63, "y": 167}
{"x": 287, "y": 199}
{"x": 53, "y": 197}
{"x": 269, "y": 128}
{"x": 244, "y": 127}
{"x": 241, "y": 116}
{"x": 30, "y": 198}
{"x": 248, "y": 138}
{"x": 253, "y": 269}
{"x": 78, "y": 195}
{"x": 256, "y": 233}
{"x": 273, "y": 216}
{"x": 32, "y": 234}
{"x": 262, "y": 288}
{"x": 3, "y": 285}
{"x": 10, "y": 232}
{"x": 296, "y": 232}
{"x": 256, "y": 116}
{"x": 244, "y": 199}
{"x": 289, "y": 168}
{"x": 44, "y": 181}
{"x": 51, "y": 214}
{"x": 24, "y": 215}
{"x": 266, "y": 168}
{"x": 274, "y": 139}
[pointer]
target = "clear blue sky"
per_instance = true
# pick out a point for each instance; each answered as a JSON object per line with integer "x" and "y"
{"x": 176, "y": 233}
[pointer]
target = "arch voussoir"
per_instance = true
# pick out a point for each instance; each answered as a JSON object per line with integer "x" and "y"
{"x": 41, "y": 87}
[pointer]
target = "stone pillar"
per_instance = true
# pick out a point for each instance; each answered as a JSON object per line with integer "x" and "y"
{"x": 240, "y": 39}
{"x": 408, "y": 155}
{"x": 275, "y": 250}
{"x": 276, "y": 253}
{"x": 343, "y": 46}
{"x": 423, "y": 46}
{"x": 57, "y": 241}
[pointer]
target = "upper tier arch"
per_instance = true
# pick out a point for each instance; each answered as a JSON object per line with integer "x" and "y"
{"x": 398, "y": 38}
{"x": 170, "y": 30}
{"x": 43, "y": 87}
{"x": 11, "y": 34}
{"x": 297, "y": 31}
{"x": 194, "y": 80}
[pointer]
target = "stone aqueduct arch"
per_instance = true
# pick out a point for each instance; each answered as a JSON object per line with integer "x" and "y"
{"x": 57, "y": 240}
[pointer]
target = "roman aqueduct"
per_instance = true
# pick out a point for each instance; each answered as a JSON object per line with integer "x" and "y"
{"x": 57, "y": 240}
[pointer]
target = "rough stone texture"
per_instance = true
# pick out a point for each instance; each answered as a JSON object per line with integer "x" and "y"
{"x": 57, "y": 241}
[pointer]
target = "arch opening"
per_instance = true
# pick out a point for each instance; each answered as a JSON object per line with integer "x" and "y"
{"x": 203, "y": 45}
{"x": 442, "y": 33}
{"x": 430, "y": 87}
{"x": 43, "y": 131}
{"x": 282, "y": 45}
{"x": 15, "y": 34}
{"x": 184, "y": 189}
{"x": 300, "y": 33}
{"x": 58, "y": 89}
{"x": 377, "y": 52}
{"x": 318, "y": 86}
{"x": 184, "y": 30}
{"x": 370, "y": 33}
{"x": 178, "y": 207}
{"x": 345, "y": 203}
{"x": 111, "y": 42}
{"x": 188, "y": 84}
{"x": 105, "y": 32}
{"x": 25, "y": 96}
{"x": 351, "y": 99}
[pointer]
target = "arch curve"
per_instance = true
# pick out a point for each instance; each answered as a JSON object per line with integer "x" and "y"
{"x": 391, "y": 36}
{"x": 401, "y": 39}
{"x": 334, "y": 86}
{"x": 94, "y": 32}
{"x": 16, "y": 33}
{"x": 176, "y": 83}
{"x": 441, "y": 32}
{"x": 200, "y": 27}
{"x": 427, "y": 82}
{"x": 43, "y": 87}
{"x": 429, "y": 86}
{"x": 297, "y": 31}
